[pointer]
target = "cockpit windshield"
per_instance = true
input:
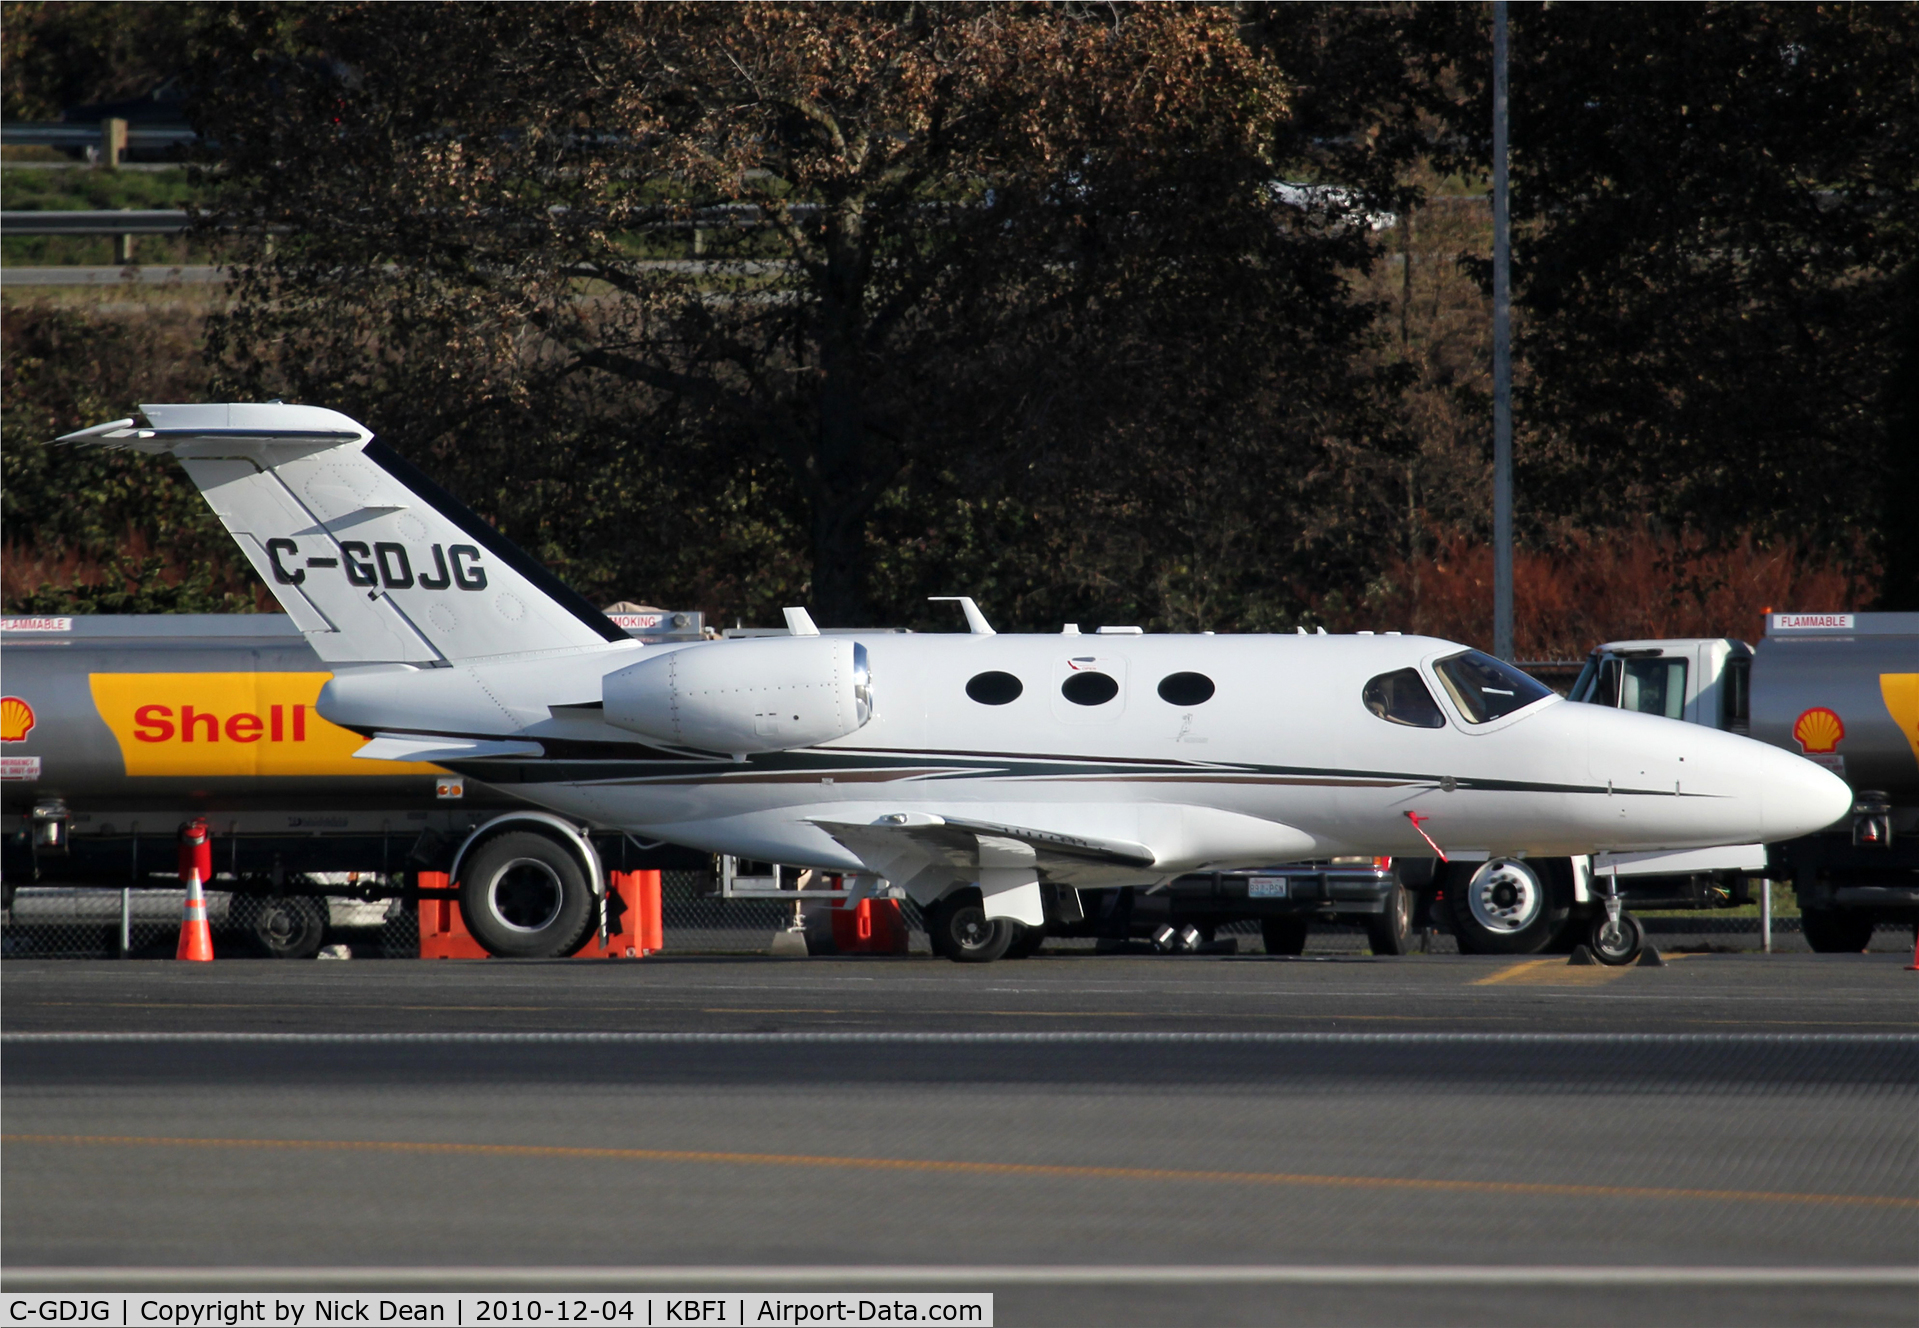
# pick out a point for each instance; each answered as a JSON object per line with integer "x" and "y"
{"x": 1485, "y": 688}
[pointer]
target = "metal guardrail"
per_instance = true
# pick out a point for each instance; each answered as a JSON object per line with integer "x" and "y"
{"x": 61, "y": 134}
{"x": 129, "y": 221}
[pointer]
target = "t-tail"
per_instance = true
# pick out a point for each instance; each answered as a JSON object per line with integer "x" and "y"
{"x": 372, "y": 560}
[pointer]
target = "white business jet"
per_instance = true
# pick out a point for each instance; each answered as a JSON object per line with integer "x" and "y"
{"x": 996, "y": 773}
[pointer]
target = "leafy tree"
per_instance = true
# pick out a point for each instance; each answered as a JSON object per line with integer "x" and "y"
{"x": 96, "y": 512}
{"x": 1713, "y": 209}
{"x": 946, "y": 290}
{"x": 82, "y": 53}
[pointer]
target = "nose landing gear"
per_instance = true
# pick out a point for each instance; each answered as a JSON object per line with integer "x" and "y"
{"x": 1618, "y": 937}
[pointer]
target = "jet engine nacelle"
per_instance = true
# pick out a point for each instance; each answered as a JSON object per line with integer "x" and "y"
{"x": 764, "y": 695}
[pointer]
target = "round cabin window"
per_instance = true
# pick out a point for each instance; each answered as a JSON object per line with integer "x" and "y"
{"x": 994, "y": 688}
{"x": 1185, "y": 689}
{"x": 1089, "y": 689}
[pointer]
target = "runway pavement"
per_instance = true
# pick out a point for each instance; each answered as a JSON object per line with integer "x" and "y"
{"x": 1095, "y": 1139}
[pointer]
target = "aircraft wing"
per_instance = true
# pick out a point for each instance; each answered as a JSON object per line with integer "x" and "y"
{"x": 430, "y": 747}
{"x": 924, "y": 853}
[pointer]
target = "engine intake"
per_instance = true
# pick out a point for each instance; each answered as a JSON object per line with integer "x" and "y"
{"x": 771, "y": 694}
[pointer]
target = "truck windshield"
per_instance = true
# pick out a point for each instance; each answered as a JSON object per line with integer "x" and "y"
{"x": 1651, "y": 686}
{"x": 1654, "y": 687}
{"x": 1583, "y": 684}
{"x": 1485, "y": 688}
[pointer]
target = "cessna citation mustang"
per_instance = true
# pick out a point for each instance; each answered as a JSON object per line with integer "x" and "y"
{"x": 1022, "y": 767}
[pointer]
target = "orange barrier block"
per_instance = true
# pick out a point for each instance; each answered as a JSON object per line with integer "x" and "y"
{"x": 443, "y": 933}
{"x": 633, "y": 920}
{"x": 624, "y": 915}
{"x": 872, "y": 926}
{"x": 652, "y": 918}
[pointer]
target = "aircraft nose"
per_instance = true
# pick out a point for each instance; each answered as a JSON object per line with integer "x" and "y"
{"x": 1800, "y": 797}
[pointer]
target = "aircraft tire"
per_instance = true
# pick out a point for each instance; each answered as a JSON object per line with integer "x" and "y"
{"x": 959, "y": 930}
{"x": 525, "y": 896}
{"x": 1621, "y": 947}
{"x": 1284, "y": 936}
{"x": 1836, "y": 930}
{"x": 1027, "y": 943}
{"x": 1391, "y": 932}
{"x": 281, "y": 926}
{"x": 1506, "y": 906}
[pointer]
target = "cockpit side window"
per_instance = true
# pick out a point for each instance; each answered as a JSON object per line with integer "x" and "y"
{"x": 1402, "y": 698}
{"x": 1485, "y": 688}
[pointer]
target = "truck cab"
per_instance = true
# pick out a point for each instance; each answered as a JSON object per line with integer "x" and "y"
{"x": 1702, "y": 680}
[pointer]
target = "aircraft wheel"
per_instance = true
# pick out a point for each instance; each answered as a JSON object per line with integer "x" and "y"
{"x": 282, "y": 926}
{"x": 1283, "y": 936}
{"x": 958, "y": 928}
{"x": 1617, "y": 945}
{"x": 1391, "y": 933}
{"x": 525, "y": 897}
{"x": 1027, "y": 943}
{"x": 1507, "y": 906}
{"x": 1836, "y": 930}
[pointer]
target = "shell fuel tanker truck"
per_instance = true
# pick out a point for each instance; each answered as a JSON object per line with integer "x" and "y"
{"x": 1840, "y": 689}
{"x": 117, "y": 730}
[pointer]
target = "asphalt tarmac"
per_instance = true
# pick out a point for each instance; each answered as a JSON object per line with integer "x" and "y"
{"x": 1125, "y": 1140}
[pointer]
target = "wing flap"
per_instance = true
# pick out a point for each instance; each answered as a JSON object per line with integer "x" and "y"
{"x": 925, "y": 854}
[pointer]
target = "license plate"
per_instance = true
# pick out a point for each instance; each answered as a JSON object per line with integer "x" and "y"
{"x": 1266, "y": 887}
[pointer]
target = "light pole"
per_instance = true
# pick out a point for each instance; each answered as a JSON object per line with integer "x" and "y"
{"x": 1502, "y": 356}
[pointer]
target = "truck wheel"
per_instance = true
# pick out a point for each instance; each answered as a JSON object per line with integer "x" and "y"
{"x": 282, "y": 926}
{"x": 1836, "y": 930}
{"x": 1391, "y": 933}
{"x": 1617, "y": 946}
{"x": 525, "y": 897}
{"x": 1283, "y": 936}
{"x": 959, "y": 930}
{"x": 1027, "y": 943}
{"x": 1506, "y": 906}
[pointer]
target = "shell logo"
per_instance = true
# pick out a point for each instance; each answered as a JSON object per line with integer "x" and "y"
{"x": 16, "y": 719}
{"x": 1818, "y": 730}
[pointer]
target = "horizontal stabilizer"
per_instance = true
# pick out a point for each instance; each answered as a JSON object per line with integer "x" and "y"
{"x": 428, "y": 747}
{"x": 183, "y": 429}
{"x": 372, "y": 559}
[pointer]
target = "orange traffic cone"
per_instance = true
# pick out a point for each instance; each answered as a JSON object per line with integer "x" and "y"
{"x": 196, "y": 938}
{"x": 1913, "y": 967}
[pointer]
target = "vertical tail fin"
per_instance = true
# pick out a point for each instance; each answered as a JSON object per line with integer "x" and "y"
{"x": 372, "y": 560}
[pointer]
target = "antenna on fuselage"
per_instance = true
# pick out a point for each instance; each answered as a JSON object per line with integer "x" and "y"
{"x": 975, "y": 620}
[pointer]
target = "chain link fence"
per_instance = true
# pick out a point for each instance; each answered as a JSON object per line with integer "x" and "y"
{"x": 90, "y": 923}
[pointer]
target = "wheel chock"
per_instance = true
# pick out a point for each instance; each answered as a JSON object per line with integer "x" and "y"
{"x": 1581, "y": 956}
{"x": 788, "y": 944}
{"x": 1649, "y": 957}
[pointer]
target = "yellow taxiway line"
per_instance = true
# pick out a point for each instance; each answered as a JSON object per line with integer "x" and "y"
{"x": 1157, "y": 1175}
